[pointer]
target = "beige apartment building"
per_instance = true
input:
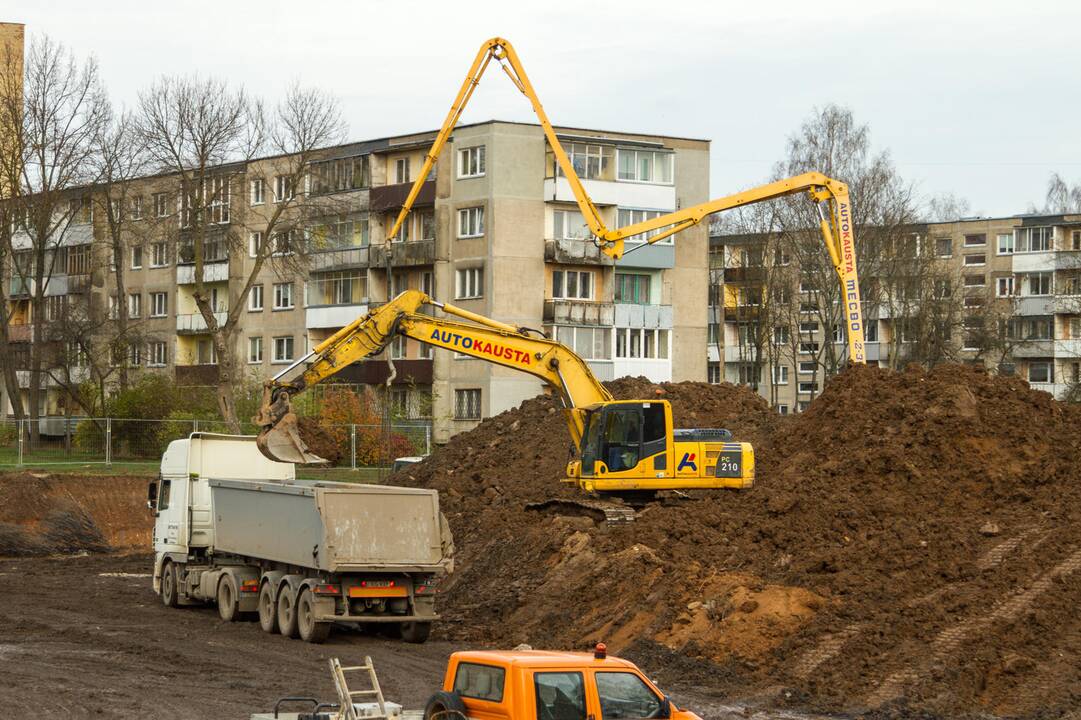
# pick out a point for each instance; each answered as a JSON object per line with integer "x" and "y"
{"x": 1013, "y": 285}
{"x": 494, "y": 230}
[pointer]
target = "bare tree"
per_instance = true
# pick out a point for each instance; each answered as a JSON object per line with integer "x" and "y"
{"x": 947, "y": 207}
{"x": 204, "y": 135}
{"x": 61, "y": 111}
{"x": 1062, "y": 198}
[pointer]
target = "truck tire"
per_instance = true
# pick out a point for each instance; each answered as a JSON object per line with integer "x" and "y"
{"x": 445, "y": 706}
{"x": 228, "y": 599}
{"x": 416, "y": 632}
{"x": 170, "y": 586}
{"x": 287, "y": 611}
{"x": 307, "y": 627}
{"x": 268, "y": 611}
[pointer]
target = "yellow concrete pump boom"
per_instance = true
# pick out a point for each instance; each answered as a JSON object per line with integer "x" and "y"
{"x": 623, "y": 445}
{"x": 830, "y": 196}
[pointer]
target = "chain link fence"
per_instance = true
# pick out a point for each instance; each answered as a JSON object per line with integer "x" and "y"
{"x": 109, "y": 441}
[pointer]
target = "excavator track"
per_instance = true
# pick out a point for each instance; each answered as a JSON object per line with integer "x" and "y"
{"x": 611, "y": 513}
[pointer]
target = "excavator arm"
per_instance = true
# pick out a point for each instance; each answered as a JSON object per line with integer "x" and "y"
{"x": 481, "y": 337}
{"x": 831, "y": 196}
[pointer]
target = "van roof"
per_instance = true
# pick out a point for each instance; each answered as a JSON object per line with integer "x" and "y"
{"x": 540, "y": 658}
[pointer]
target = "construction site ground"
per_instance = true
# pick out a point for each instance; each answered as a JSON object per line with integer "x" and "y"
{"x": 912, "y": 547}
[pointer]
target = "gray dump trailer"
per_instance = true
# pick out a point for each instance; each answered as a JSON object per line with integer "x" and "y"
{"x": 236, "y": 529}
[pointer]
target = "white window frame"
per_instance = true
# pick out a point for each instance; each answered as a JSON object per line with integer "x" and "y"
{"x": 981, "y": 263}
{"x": 284, "y": 188}
{"x": 156, "y": 358}
{"x": 1011, "y": 284}
{"x": 471, "y": 162}
{"x": 469, "y": 283}
{"x": 136, "y": 264}
{"x": 135, "y": 305}
{"x": 637, "y": 165}
{"x": 281, "y": 342}
{"x": 161, "y": 205}
{"x": 401, "y": 164}
{"x": 257, "y": 191}
{"x": 136, "y": 210}
{"x": 632, "y": 216}
{"x": 282, "y": 291}
{"x": 164, "y": 254}
{"x": 471, "y": 219}
{"x": 1050, "y": 283}
{"x": 807, "y": 387}
{"x": 255, "y": 242}
{"x": 1012, "y": 243}
{"x": 474, "y": 403}
{"x": 255, "y": 298}
{"x": 780, "y": 374}
{"x": 564, "y": 278}
{"x": 154, "y": 310}
{"x": 255, "y": 350}
{"x": 803, "y": 365}
{"x": 1049, "y": 364}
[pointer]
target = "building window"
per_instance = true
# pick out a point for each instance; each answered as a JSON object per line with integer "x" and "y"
{"x": 255, "y": 350}
{"x": 426, "y": 224}
{"x": 206, "y": 353}
{"x": 397, "y": 347}
{"x": 633, "y": 288}
{"x": 159, "y": 254}
{"x": 802, "y": 405}
{"x": 1075, "y": 241}
{"x": 283, "y": 349}
{"x": 159, "y": 304}
{"x": 1069, "y": 284}
{"x": 572, "y": 285}
{"x": 642, "y": 343}
{"x": 403, "y": 230}
{"x": 159, "y": 356}
{"x": 807, "y": 386}
{"x": 1004, "y": 286}
{"x": 975, "y": 240}
{"x": 255, "y": 244}
{"x": 647, "y": 166}
{"x": 218, "y": 210}
{"x": 401, "y": 170}
{"x": 980, "y": 259}
{"x": 590, "y": 343}
{"x": 137, "y": 257}
{"x": 347, "y": 287}
{"x": 284, "y": 188}
{"x": 257, "y": 188}
{"x": 975, "y": 280}
{"x": 78, "y": 262}
{"x": 161, "y": 205}
{"x": 569, "y": 225}
{"x": 808, "y": 328}
{"x": 135, "y": 354}
{"x": 340, "y": 233}
{"x": 470, "y": 283}
{"x": 255, "y": 298}
{"x": 749, "y": 374}
{"x": 1005, "y": 243}
{"x": 808, "y": 348}
{"x": 1036, "y": 239}
{"x": 780, "y": 374}
{"x": 944, "y": 247}
{"x": 137, "y": 207}
{"x": 780, "y": 335}
{"x": 467, "y": 404}
{"x": 1041, "y": 371}
{"x": 1038, "y": 284}
{"x": 630, "y": 216}
{"x": 870, "y": 332}
{"x": 471, "y": 162}
{"x": 283, "y": 296}
{"x": 330, "y": 176}
{"x": 807, "y": 367}
{"x": 471, "y": 222}
{"x": 135, "y": 305}
{"x": 591, "y": 162}
{"x": 782, "y": 409}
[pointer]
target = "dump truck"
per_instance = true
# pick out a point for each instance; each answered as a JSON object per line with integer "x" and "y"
{"x": 235, "y": 529}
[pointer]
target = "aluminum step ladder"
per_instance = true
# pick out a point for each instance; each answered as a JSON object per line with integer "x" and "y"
{"x": 346, "y": 696}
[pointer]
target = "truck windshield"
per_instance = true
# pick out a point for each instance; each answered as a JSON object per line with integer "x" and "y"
{"x": 560, "y": 696}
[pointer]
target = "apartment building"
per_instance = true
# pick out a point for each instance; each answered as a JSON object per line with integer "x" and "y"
{"x": 495, "y": 230}
{"x": 1012, "y": 284}
{"x": 12, "y": 39}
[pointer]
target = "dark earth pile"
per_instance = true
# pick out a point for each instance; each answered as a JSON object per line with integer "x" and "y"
{"x": 913, "y": 542}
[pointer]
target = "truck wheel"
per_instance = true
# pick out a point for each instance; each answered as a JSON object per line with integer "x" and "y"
{"x": 287, "y": 615}
{"x": 309, "y": 629}
{"x": 444, "y": 706}
{"x": 228, "y": 599}
{"x": 268, "y": 613}
{"x": 416, "y": 632}
{"x": 170, "y": 596}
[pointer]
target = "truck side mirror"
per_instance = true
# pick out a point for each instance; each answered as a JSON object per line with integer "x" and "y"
{"x": 666, "y": 708}
{"x": 152, "y": 495}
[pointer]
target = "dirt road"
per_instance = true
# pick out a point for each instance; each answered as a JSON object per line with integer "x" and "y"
{"x": 86, "y": 637}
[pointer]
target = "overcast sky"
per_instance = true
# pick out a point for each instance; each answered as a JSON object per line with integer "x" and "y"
{"x": 981, "y": 99}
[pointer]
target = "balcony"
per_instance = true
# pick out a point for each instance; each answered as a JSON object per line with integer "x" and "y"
{"x": 325, "y": 317}
{"x": 1034, "y": 349}
{"x": 579, "y": 312}
{"x": 404, "y": 254}
{"x": 392, "y": 197}
{"x": 643, "y": 316}
{"x": 575, "y": 251}
{"x": 195, "y": 323}
{"x": 217, "y": 271}
{"x": 21, "y": 287}
{"x": 345, "y": 259}
{"x": 196, "y": 374}
{"x": 20, "y": 333}
{"x": 1058, "y": 390}
{"x": 744, "y": 274}
{"x": 610, "y": 192}
{"x": 78, "y": 283}
{"x": 1035, "y": 305}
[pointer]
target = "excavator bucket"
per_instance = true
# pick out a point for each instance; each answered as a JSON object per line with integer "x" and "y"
{"x": 280, "y": 438}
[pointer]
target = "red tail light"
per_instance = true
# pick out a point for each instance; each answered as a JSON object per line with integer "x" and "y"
{"x": 249, "y": 586}
{"x": 326, "y": 590}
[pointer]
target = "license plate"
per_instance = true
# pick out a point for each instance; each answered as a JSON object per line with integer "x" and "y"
{"x": 729, "y": 464}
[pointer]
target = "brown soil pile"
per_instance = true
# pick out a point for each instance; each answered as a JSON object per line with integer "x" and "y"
{"x": 44, "y": 514}
{"x": 913, "y": 542}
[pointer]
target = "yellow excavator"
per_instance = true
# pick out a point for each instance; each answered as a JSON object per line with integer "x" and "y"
{"x": 623, "y": 446}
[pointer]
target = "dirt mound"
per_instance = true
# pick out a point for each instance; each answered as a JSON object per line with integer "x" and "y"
{"x": 44, "y": 514}
{"x": 901, "y": 532}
